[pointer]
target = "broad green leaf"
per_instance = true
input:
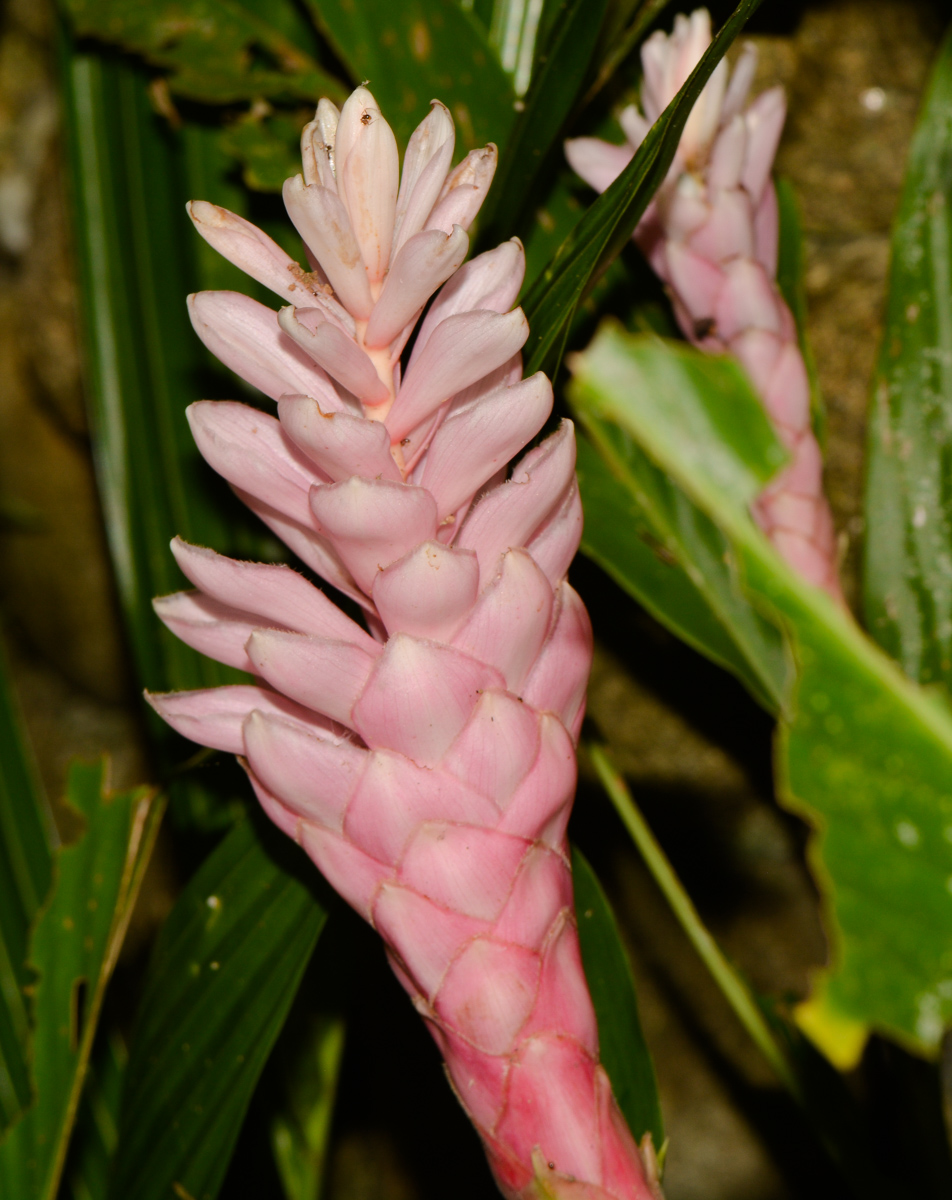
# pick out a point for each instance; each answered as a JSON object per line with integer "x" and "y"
{"x": 624, "y": 1051}
{"x": 729, "y": 451}
{"x": 908, "y": 568}
{"x": 864, "y": 755}
{"x": 561, "y": 67}
{"x": 606, "y": 227}
{"x": 73, "y": 949}
{"x": 224, "y": 973}
{"x": 301, "y": 1131}
{"x": 413, "y": 52}
{"x": 644, "y": 531}
{"x": 97, "y": 1122}
{"x": 216, "y": 51}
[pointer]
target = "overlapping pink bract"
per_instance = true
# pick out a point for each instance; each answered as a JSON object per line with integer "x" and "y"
{"x": 427, "y": 766}
{"x": 711, "y": 233}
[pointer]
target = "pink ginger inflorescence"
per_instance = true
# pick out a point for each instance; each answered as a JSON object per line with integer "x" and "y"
{"x": 427, "y": 766}
{"x": 711, "y": 234}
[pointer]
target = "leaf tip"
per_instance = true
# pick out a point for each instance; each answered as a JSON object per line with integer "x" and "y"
{"x": 840, "y": 1038}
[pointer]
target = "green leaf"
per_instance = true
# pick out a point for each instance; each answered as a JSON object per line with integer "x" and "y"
{"x": 417, "y": 50}
{"x": 216, "y": 51}
{"x": 26, "y": 835}
{"x": 864, "y": 755}
{"x": 624, "y": 1051}
{"x": 73, "y": 948}
{"x": 561, "y": 67}
{"x": 729, "y": 453}
{"x": 138, "y": 258}
{"x": 143, "y": 362}
{"x": 606, "y": 227}
{"x": 672, "y": 559}
{"x": 224, "y": 973}
{"x": 301, "y": 1132}
{"x": 908, "y": 584}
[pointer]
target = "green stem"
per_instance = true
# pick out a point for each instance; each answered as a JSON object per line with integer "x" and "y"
{"x": 735, "y": 990}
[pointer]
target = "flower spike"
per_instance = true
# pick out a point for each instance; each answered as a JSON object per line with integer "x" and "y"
{"x": 711, "y": 234}
{"x": 427, "y": 762}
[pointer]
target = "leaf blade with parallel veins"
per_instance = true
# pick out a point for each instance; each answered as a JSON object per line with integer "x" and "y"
{"x": 624, "y": 1051}
{"x": 863, "y": 754}
{"x": 74, "y": 947}
{"x": 907, "y": 581}
{"x": 224, "y": 973}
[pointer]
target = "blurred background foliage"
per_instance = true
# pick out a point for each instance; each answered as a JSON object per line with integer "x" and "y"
{"x": 229, "y": 1056}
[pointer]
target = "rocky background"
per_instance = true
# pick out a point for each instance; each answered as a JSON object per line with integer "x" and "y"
{"x": 696, "y": 750}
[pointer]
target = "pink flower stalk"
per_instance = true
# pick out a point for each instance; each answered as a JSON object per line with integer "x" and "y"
{"x": 711, "y": 233}
{"x": 427, "y": 766}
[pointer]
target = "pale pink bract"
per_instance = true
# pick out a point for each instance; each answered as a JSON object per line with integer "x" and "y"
{"x": 427, "y": 762}
{"x": 711, "y": 234}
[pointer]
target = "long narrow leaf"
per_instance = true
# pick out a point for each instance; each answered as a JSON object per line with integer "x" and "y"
{"x": 624, "y": 1051}
{"x": 143, "y": 361}
{"x": 863, "y": 754}
{"x": 604, "y": 230}
{"x": 225, "y": 971}
{"x": 73, "y": 949}
{"x": 908, "y": 584}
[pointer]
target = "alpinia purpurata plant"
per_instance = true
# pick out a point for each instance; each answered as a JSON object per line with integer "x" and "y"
{"x": 711, "y": 234}
{"x": 427, "y": 766}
